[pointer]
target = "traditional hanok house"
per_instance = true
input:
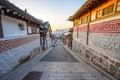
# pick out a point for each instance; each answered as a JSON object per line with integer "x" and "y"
{"x": 96, "y": 34}
{"x": 47, "y": 35}
{"x": 68, "y": 38}
{"x": 19, "y": 36}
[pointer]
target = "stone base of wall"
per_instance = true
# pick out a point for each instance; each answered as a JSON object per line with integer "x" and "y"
{"x": 35, "y": 52}
{"x": 99, "y": 59}
{"x": 13, "y": 57}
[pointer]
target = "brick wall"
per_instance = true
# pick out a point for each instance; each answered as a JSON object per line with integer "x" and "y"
{"x": 12, "y": 43}
{"x": 17, "y": 50}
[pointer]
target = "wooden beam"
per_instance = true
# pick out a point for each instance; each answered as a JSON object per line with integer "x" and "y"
{"x": 14, "y": 15}
{"x": 8, "y": 10}
{"x": 1, "y": 29}
{"x": 33, "y": 25}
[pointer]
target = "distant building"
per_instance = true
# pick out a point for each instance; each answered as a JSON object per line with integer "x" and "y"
{"x": 19, "y": 36}
{"x": 67, "y": 38}
{"x": 96, "y": 34}
{"x": 59, "y": 32}
{"x": 47, "y": 32}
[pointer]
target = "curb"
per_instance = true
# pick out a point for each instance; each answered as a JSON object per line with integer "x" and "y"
{"x": 44, "y": 53}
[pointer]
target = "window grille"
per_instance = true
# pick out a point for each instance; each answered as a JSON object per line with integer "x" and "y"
{"x": 108, "y": 10}
{"x": 118, "y": 6}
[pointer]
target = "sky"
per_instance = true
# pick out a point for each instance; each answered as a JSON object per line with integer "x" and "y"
{"x": 55, "y": 11}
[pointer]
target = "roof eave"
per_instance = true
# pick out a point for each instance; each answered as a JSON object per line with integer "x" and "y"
{"x": 89, "y": 5}
{"x": 11, "y": 6}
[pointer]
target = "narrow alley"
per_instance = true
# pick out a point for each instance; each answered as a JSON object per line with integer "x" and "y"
{"x": 58, "y": 54}
{"x": 57, "y": 64}
{"x": 51, "y": 40}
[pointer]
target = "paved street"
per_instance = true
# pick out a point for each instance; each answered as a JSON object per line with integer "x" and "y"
{"x": 58, "y": 64}
{"x": 59, "y": 54}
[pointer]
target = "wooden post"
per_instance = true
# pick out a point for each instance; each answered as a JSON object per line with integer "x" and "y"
{"x": 87, "y": 34}
{"x": 77, "y": 31}
{"x": 27, "y": 27}
{"x": 87, "y": 41}
{"x": 1, "y": 29}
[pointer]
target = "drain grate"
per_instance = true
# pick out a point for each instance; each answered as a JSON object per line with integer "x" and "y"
{"x": 33, "y": 76}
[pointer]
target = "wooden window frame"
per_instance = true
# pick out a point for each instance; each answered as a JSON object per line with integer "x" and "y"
{"x": 86, "y": 20}
{"x": 34, "y": 30}
{"x": 107, "y": 9}
{"x": 118, "y": 5}
{"x": 77, "y": 22}
{"x": 100, "y": 13}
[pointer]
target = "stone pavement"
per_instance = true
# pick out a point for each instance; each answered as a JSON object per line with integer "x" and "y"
{"x": 63, "y": 71}
{"x": 99, "y": 73}
{"x": 54, "y": 71}
{"x": 38, "y": 70}
{"x": 59, "y": 54}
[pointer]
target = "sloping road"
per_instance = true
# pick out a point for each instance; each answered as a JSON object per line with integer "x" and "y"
{"x": 58, "y": 64}
{"x": 59, "y": 54}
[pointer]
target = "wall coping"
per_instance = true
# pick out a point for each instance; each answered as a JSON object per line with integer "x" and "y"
{"x": 14, "y": 37}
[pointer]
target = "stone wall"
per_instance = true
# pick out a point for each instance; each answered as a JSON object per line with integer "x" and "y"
{"x": 82, "y": 37}
{"x": 15, "y": 51}
{"x": 106, "y": 43}
{"x": 80, "y": 32}
{"x": 105, "y": 37}
{"x": 109, "y": 64}
{"x": 103, "y": 48}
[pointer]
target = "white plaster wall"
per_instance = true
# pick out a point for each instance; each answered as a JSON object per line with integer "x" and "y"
{"x": 11, "y": 28}
{"x": 107, "y": 19}
{"x": 93, "y": 16}
{"x": 37, "y": 30}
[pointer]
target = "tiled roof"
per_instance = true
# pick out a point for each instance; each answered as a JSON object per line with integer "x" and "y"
{"x": 8, "y": 5}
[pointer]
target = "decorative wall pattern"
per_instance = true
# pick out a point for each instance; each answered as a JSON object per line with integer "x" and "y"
{"x": 12, "y": 43}
{"x": 82, "y": 28}
{"x": 112, "y": 26}
{"x": 75, "y": 29}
